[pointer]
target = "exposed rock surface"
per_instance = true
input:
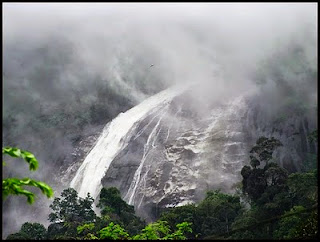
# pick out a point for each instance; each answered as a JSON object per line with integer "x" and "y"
{"x": 174, "y": 154}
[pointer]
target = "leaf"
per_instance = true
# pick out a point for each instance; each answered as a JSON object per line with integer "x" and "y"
{"x": 26, "y": 155}
{"x": 14, "y": 152}
{"x": 31, "y": 159}
{"x": 13, "y": 186}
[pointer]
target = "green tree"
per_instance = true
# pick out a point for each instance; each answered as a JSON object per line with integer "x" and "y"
{"x": 110, "y": 200}
{"x": 69, "y": 212}
{"x": 114, "y": 232}
{"x": 71, "y": 208}
{"x": 184, "y": 228}
{"x": 254, "y": 162}
{"x": 247, "y": 218}
{"x": 14, "y": 186}
{"x": 308, "y": 229}
{"x": 216, "y": 213}
{"x": 176, "y": 215}
{"x": 256, "y": 181}
{"x": 85, "y": 228}
{"x": 303, "y": 188}
{"x": 118, "y": 211}
{"x": 35, "y": 231}
{"x": 160, "y": 230}
{"x": 262, "y": 151}
{"x": 86, "y": 231}
{"x": 154, "y": 231}
{"x": 18, "y": 236}
{"x": 56, "y": 230}
{"x": 288, "y": 225}
{"x": 273, "y": 193}
{"x": 30, "y": 231}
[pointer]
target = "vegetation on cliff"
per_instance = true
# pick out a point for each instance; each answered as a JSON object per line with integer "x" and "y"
{"x": 272, "y": 205}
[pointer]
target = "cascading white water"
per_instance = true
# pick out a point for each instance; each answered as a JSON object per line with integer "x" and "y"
{"x": 164, "y": 153}
{"x": 136, "y": 179}
{"x": 113, "y": 139}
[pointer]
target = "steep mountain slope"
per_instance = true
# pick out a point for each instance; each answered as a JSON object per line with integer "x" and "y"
{"x": 170, "y": 149}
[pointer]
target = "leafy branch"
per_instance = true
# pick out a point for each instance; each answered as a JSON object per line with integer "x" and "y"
{"x": 14, "y": 186}
{"x": 27, "y": 156}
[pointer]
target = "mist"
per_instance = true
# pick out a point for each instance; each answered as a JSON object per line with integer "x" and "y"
{"x": 70, "y": 68}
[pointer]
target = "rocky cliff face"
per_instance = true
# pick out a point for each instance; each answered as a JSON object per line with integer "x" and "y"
{"x": 183, "y": 147}
{"x": 177, "y": 154}
{"x": 291, "y": 130}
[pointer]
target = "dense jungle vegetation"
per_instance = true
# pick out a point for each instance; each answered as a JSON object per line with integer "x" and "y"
{"x": 269, "y": 204}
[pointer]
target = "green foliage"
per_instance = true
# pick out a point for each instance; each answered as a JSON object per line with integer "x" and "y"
{"x": 56, "y": 230}
{"x": 256, "y": 181}
{"x": 275, "y": 194}
{"x": 248, "y": 218}
{"x": 179, "y": 214}
{"x": 219, "y": 215}
{"x": 114, "y": 232}
{"x": 279, "y": 209}
{"x": 216, "y": 213}
{"x": 26, "y": 155}
{"x": 303, "y": 188}
{"x": 308, "y": 229}
{"x": 70, "y": 207}
{"x": 262, "y": 151}
{"x": 275, "y": 175}
{"x": 160, "y": 230}
{"x": 87, "y": 231}
{"x": 288, "y": 225}
{"x": 183, "y": 229}
{"x": 275, "y": 200}
{"x": 18, "y": 236}
{"x": 254, "y": 162}
{"x": 30, "y": 231}
{"x": 85, "y": 228}
{"x": 35, "y": 231}
{"x": 14, "y": 186}
{"x": 111, "y": 201}
{"x": 154, "y": 231}
{"x": 90, "y": 236}
{"x": 112, "y": 205}
{"x": 253, "y": 182}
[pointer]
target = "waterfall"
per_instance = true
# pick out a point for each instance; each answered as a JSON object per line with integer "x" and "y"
{"x": 114, "y": 138}
{"x": 136, "y": 179}
{"x": 164, "y": 153}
